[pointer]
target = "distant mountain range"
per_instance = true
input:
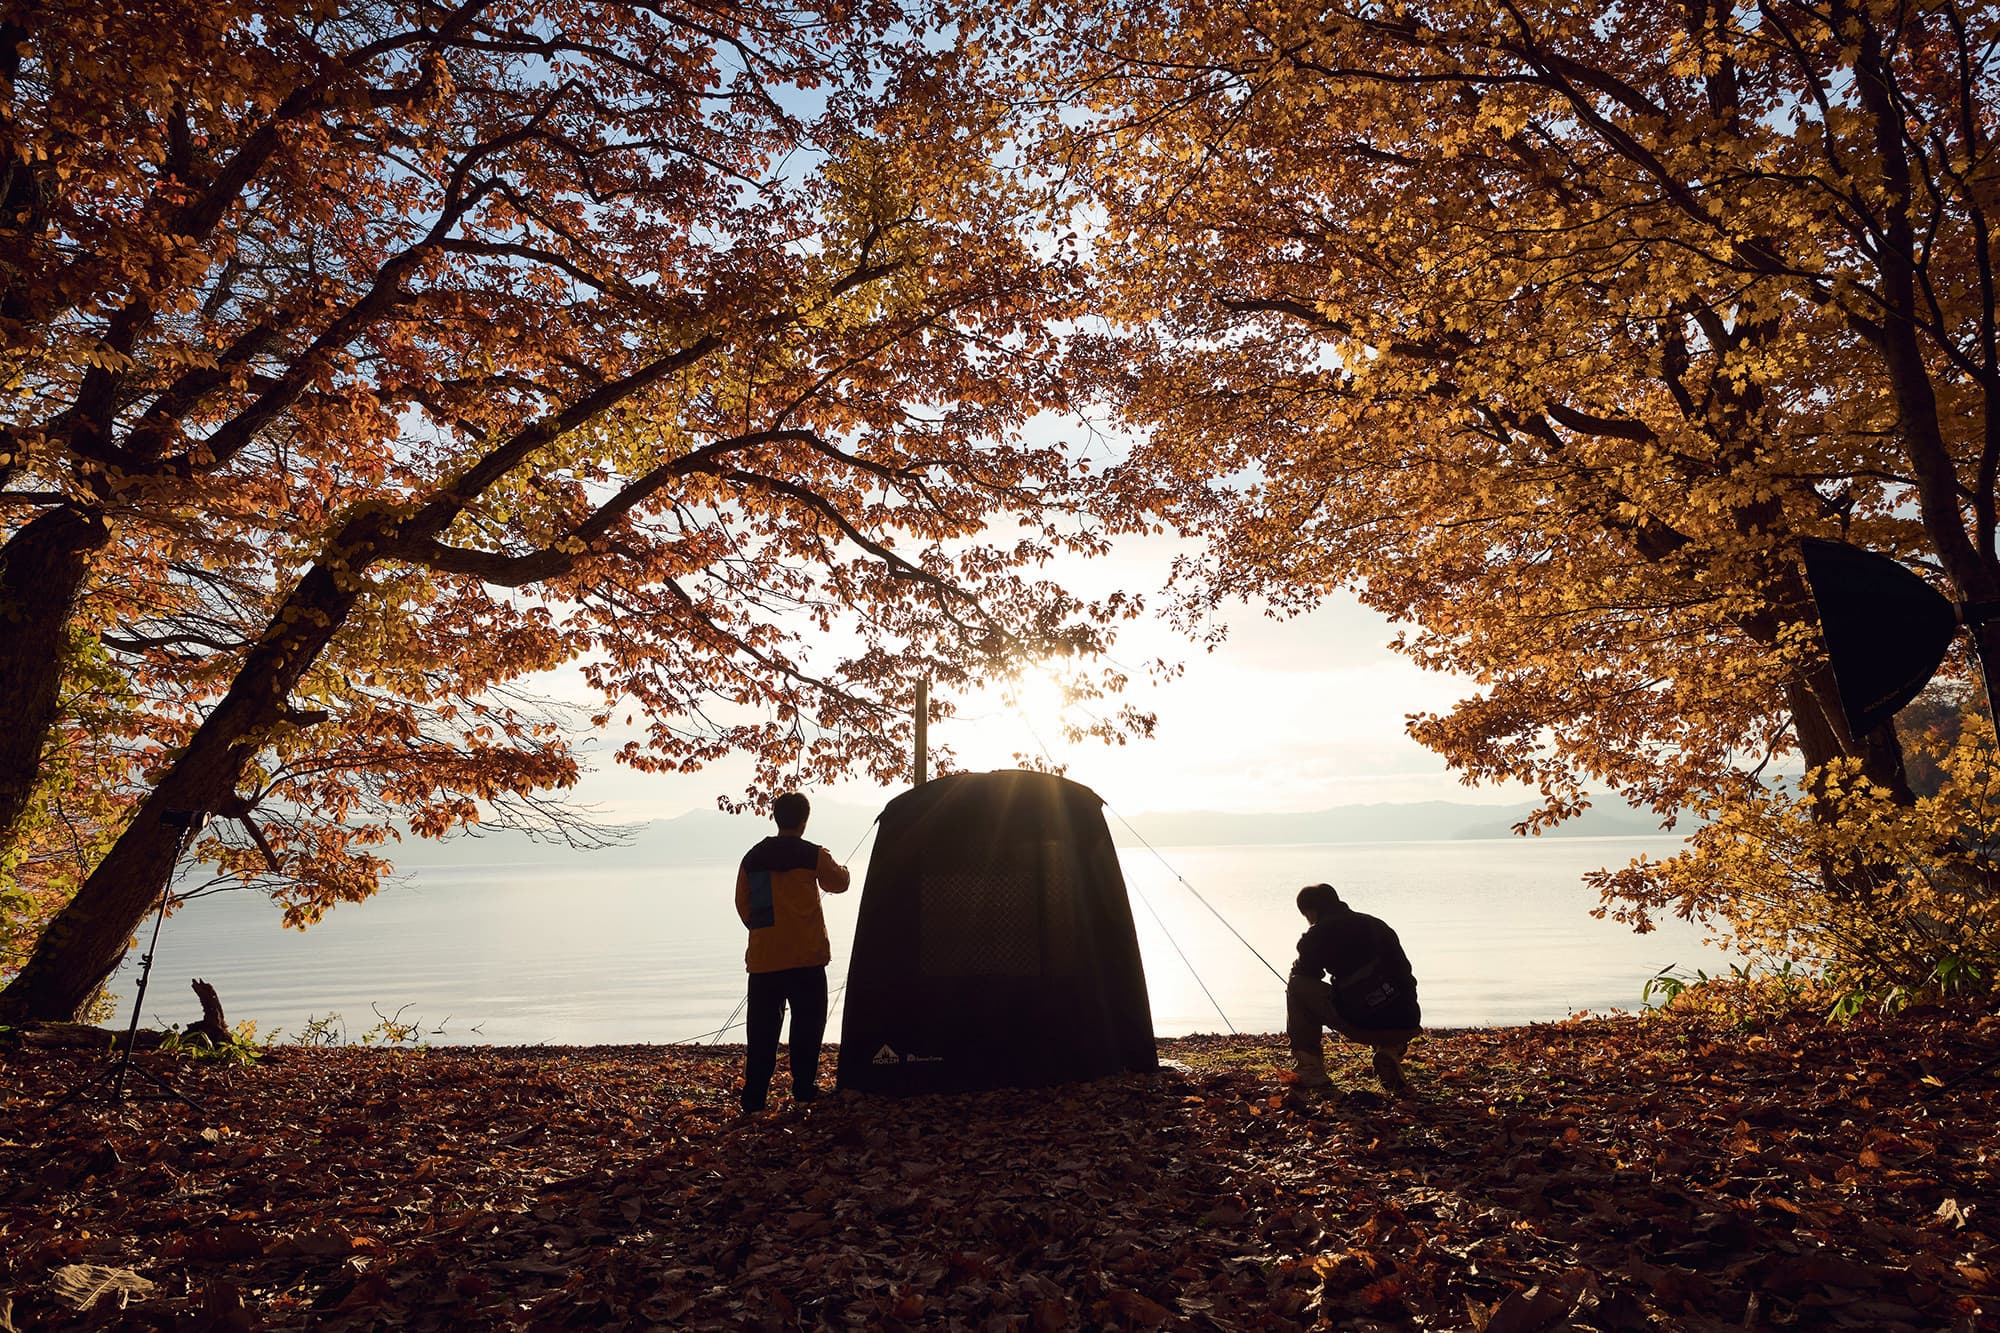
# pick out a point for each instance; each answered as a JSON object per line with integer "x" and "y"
{"x": 1416, "y": 821}
{"x": 704, "y": 836}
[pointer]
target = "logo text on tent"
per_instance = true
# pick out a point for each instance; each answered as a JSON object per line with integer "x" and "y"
{"x": 888, "y": 1056}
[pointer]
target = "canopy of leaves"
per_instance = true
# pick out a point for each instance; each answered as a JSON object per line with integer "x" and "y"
{"x": 385, "y": 356}
{"x": 1548, "y": 329}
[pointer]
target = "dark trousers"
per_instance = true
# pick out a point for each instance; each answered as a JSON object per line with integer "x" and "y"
{"x": 804, "y": 989}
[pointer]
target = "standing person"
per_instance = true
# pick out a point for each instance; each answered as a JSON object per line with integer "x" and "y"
{"x": 1372, "y": 996}
{"x": 777, "y": 895}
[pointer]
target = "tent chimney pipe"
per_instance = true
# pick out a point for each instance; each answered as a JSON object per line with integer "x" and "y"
{"x": 923, "y": 717}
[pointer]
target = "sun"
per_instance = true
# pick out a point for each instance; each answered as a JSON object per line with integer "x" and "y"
{"x": 1038, "y": 700}
{"x": 1010, "y": 720}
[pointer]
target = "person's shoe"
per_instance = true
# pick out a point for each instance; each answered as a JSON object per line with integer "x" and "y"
{"x": 804, "y": 1095}
{"x": 1309, "y": 1071}
{"x": 1390, "y": 1070}
{"x": 1305, "y": 1093}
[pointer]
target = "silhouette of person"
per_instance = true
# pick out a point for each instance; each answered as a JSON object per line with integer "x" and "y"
{"x": 1369, "y": 996}
{"x": 777, "y": 895}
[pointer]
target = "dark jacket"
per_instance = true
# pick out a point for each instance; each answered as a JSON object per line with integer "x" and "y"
{"x": 1373, "y": 986}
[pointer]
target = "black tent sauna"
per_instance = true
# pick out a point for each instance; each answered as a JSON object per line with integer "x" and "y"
{"x": 994, "y": 945}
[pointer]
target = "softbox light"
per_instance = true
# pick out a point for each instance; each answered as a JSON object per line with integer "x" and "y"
{"x": 1886, "y": 629}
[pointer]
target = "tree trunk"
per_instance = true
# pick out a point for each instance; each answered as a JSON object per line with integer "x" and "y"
{"x": 85, "y": 941}
{"x": 1986, "y": 643}
{"x": 42, "y": 569}
{"x": 1823, "y": 735}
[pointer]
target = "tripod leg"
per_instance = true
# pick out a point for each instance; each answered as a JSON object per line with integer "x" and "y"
{"x": 81, "y": 1090}
{"x": 124, "y": 1066}
{"x": 145, "y": 975}
{"x": 116, "y": 1074}
{"x": 166, "y": 1087}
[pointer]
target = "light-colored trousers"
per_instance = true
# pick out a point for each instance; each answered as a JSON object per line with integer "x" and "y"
{"x": 1309, "y": 1007}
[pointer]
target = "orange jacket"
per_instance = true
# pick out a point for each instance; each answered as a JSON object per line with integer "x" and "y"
{"x": 777, "y": 895}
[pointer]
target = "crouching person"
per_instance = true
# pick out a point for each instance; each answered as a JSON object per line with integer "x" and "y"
{"x": 1369, "y": 994}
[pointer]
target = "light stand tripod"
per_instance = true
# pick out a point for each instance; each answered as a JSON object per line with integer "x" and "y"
{"x": 189, "y": 823}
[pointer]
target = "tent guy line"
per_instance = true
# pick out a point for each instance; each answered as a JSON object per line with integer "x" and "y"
{"x": 1192, "y": 971}
{"x": 1182, "y": 880}
{"x": 1027, "y": 722}
{"x": 715, "y": 1036}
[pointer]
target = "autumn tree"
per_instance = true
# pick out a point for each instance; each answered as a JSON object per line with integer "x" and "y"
{"x": 367, "y": 358}
{"x": 1550, "y": 329}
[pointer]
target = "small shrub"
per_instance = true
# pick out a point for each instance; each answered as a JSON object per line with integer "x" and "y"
{"x": 197, "y": 1046}
{"x": 392, "y": 1030}
{"x": 318, "y": 1031}
{"x": 1745, "y": 996}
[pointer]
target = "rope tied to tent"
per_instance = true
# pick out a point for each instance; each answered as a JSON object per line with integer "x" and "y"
{"x": 1179, "y": 878}
{"x": 1182, "y": 880}
{"x": 1154, "y": 913}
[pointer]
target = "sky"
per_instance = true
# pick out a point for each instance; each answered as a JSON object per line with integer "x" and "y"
{"x": 1290, "y": 715}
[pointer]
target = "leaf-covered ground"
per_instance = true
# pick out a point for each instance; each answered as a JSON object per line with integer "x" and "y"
{"x": 1615, "y": 1174}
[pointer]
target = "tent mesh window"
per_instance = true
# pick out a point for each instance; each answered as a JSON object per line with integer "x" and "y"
{"x": 979, "y": 924}
{"x": 1007, "y": 920}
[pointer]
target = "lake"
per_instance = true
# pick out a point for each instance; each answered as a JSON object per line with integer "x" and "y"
{"x": 1499, "y": 932}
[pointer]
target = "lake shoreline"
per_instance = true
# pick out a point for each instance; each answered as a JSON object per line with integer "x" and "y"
{"x": 830, "y": 1048}
{"x": 90, "y": 1038}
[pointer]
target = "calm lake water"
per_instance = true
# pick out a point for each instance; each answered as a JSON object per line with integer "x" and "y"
{"x": 1499, "y": 932}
